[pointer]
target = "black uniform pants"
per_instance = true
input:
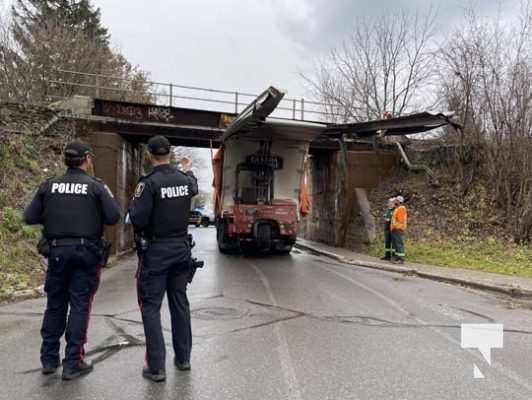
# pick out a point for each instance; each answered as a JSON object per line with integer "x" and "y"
{"x": 71, "y": 281}
{"x": 164, "y": 268}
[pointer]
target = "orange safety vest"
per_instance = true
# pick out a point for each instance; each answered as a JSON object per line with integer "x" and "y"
{"x": 399, "y": 219}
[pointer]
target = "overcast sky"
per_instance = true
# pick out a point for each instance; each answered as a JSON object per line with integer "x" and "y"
{"x": 248, "y": 45}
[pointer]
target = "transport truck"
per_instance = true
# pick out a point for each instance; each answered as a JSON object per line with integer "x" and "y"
{"x": 259, "y": 183}
{"x": 260, "y": 174}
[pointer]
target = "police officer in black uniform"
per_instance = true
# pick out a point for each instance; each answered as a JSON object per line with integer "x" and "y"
{"x": 159, "y": 212}
{"x": 73, "y": 209}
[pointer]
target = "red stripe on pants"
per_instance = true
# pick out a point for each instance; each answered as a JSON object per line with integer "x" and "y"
{"x": 139, "y": 274}
{"x": 91, "y": 299}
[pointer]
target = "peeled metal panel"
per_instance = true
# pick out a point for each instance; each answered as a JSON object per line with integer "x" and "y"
{"x": 290, "y": 130}
{"x": 285, "y": 131}
{"x": 404, "y": 125}
{"x": 255, "y": 112}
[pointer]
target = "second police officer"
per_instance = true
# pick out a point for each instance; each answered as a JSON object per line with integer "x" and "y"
{"x": 73, "y": 209}
{"x": 159, "y": 212}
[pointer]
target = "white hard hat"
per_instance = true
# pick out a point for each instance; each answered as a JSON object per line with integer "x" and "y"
{"x": 400, "y": 199}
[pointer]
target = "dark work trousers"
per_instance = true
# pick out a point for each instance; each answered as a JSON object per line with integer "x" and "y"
{"x": 164, "y": 268}
{"x": 388, "y": 246}
{"x": 71, "y": 281}
{"x": 398, "y": 243}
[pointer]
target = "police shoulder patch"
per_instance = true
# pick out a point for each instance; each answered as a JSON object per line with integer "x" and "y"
{"x": 108, "y": 190}
{"x": 139, "y": 189}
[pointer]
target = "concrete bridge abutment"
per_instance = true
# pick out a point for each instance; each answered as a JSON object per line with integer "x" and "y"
{"x": 118, "y": 163}
{"x": 341, "y": 213}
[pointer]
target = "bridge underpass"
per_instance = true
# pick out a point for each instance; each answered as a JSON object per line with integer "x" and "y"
{"x": 345, "y": 161}
{"x": 255, "y": 319}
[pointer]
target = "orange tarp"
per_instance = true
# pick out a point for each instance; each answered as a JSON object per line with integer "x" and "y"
{"x": 217, "y": 166}
{"x": 304, "y": 195}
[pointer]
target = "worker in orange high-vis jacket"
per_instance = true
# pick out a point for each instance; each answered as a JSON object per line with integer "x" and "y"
{"x": 398, "y": 228}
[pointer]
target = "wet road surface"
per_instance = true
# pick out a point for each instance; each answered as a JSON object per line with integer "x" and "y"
{"x": 294, "y": 326}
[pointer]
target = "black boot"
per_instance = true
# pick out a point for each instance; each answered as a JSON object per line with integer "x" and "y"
{"x": 182, "y": 365}
{"x": 48, "y": 370}
{"x": 83, "y": 369}
{"x": 155, "y": 376}
{"x": 398, "y": 260}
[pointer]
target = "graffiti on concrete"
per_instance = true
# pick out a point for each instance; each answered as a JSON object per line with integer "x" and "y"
{"x": 160, "y": 114}
{"x": 123, "y": 110}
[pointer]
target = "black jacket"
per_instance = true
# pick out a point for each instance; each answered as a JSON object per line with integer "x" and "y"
{"x": 75, "y": 205}
{"x": 161, "y": 205}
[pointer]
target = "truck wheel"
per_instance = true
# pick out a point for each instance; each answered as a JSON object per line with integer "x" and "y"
{"x": 286, "y": 249}
{"x": 264, "y": 237}
{"x": 205, "y": 222}
{"x": 222, "y": 238}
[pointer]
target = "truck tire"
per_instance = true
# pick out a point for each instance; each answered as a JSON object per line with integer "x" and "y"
{"x": 205, "y": 222}
{"x": 286, "y": 249}
{"x": 264, "y": 237}
{"x": 223, "y": 238}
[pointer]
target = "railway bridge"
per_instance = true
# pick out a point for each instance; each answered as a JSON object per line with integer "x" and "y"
{"x": 345, "y": 159}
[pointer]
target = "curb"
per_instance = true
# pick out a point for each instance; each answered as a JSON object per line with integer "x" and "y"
{"x": 500, "y": 289}
{"x": 37, "y": 292}
{"x": 26, "y": 294}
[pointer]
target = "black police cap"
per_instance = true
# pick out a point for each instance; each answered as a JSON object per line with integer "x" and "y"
{"x": 77, "y": 150}
{"x": 159, "y": 145}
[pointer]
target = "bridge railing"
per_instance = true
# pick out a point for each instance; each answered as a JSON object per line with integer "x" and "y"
{"x": 65, "y": 83}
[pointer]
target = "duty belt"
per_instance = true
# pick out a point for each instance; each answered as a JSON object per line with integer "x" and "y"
{"x": 168, "y": 239}
{"x": 71, "y": 242}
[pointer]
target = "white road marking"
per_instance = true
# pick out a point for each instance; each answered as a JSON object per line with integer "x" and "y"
{"x": 287, "y": 366}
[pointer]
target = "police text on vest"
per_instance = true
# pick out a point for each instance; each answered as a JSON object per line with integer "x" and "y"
{"x": 174, "y": 191}
{"x": 70, "y": 188}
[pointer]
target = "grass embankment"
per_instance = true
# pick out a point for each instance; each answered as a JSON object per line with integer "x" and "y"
{"x": 25, "y": 161}
{"x": 490, "y": 256}
{"x": 453, "y": 230}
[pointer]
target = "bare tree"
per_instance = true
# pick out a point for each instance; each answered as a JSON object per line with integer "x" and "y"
{"x": 487, "y": 75}
{"x": 386, "y": 65}
{"x": 37, "y": 72}
{"x": 9, "y": 61}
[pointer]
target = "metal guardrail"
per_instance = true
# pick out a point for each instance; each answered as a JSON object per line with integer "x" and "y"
{"x": 67, "y": 83}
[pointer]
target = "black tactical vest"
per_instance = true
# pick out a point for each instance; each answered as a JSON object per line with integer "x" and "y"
{"x": 71, "y": 208}
{"x": 172, "y": 195}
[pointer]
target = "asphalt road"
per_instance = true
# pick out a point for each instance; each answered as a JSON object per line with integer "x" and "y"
{"x": 286, "y": 327}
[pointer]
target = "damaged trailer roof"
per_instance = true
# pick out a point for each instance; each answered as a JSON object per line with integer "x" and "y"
{"x": 254, "y": 123}
{"x": 404, "y": 125}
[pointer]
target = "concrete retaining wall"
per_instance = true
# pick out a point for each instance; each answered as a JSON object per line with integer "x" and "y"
{"x": 342, "y": 216}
